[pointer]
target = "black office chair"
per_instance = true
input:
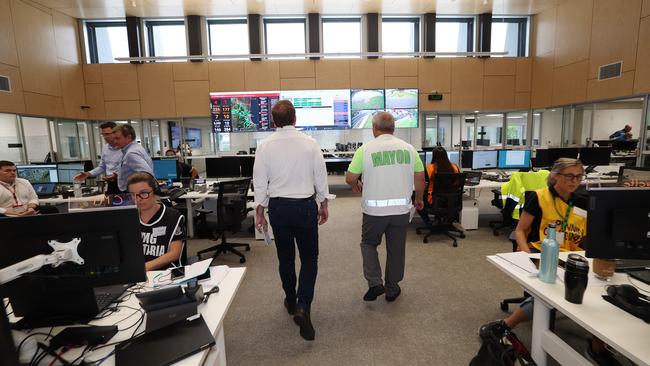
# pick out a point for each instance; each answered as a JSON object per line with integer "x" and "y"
{"x": 231, "y": 210}
{"x": 447, "y": 203}
{"x": 506, "y": 210}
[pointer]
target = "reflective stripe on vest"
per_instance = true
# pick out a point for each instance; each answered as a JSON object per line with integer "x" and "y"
{"x": 387, "y": 203}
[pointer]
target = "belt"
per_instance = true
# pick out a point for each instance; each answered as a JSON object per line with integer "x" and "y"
{"x": 287, "y": 199}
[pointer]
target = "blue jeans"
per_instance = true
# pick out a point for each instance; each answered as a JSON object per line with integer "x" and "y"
{"x": 295, "y": 223}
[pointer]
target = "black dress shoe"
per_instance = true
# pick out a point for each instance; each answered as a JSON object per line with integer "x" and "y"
{"x": 392, "y": 298}
{"x": 290, "y": 306}
{"x": 373, "y": 292}
{"x": 302, "y": 319}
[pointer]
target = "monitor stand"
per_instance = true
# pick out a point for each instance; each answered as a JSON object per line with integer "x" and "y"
{"x": 590, "y": 169}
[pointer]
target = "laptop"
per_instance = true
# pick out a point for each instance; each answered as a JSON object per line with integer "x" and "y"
{"x": 44, "y": 190}
{"x": 472, "y": 178}
{"x": 167, "y": 345}
{"x": 627, "y": 265}
{"x": 643, "y": 276}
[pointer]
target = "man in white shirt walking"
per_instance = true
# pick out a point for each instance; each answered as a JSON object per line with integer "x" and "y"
{"x": 289, "y": 177}
{"x": 391, "y": 168}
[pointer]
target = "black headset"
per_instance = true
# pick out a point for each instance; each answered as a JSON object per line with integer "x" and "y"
{"x": 628, "y": 298}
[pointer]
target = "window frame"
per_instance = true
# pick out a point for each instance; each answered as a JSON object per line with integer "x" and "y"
{"x": 342, "y": 20}
{"x": 522, "y": 31}
{"x": 225, "y": 21}
{"x": 469, "y": 22}
{"x": 91, "y": 28}
{"x": 266, "y": 21}
{"x": 149, "y": 24}
{"x": 416, "y": 23}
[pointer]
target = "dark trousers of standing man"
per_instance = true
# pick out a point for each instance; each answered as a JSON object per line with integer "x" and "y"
{"x": 295, "y": 223}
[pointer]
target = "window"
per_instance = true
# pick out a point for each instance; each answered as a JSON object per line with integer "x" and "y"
{"x": 105, "y": 41}
{"x": 400, "y": 34}
{"x": 166, "y": 38}
{"x": 341, "y": 35}
{"x": 284, "y": 35}
{"x": 228, "y": 36}
{"x": 509, "y": 35}
{"x": 516, "y": 123}
{"x": 489, "y": 129}
{"x": 454, "y": 34}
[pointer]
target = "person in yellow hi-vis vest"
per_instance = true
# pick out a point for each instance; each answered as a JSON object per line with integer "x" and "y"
{"x": 559, "y": 204}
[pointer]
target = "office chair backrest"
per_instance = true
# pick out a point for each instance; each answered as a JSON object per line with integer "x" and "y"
{"x": 633, "y": 176}
{"x": 448, "y": 193}
{"x": 231, "y": 201}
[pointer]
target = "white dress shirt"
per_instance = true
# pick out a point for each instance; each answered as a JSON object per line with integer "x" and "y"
{"x": 21, "y": 193}
{"x": 289, "y": 164}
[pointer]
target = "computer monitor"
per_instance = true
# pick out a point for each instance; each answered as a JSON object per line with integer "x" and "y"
{"x": 482, "y": 142}
{"x": 618, "y": 223}
{"x": 223, "y": 167}
{"x": 514, "y": 159}
{"x": 466, "y": 144}
{"x": 165, "y": 169}
{"x": 484, "y": 159}
{"x": 541, "y": 158}
{"x": 625, "y": 145}
{"x": 428, "y": 156}
{"x": 247, "y": 163}
{"x": 454, "y": 157}
{"x": 43, "y": 173}
{"x": 634, "y": 176}
{"x": 547, "y": 157}
{"x": 110, "y": 245}
{"x": 595, "y": 155}
{"x": 466, "y": 159}
{"x": 423, "y": 157}
{"x": 67, "y": 171}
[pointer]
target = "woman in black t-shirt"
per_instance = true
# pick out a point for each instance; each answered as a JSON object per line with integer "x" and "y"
{"x": 161, "y": 227}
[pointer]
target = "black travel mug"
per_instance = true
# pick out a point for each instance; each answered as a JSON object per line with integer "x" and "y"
{"x": 575, "y": 278}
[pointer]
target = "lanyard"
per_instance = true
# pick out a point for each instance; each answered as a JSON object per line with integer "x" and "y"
{"x": 13, "y": 193}
{"x": 565, "y": 218}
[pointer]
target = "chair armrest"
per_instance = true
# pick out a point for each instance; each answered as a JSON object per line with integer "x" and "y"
{"x": 203, "y": 211}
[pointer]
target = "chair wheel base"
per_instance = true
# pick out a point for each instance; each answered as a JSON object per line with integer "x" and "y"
{"x": 418, "y": 231}
{"x": 248, "y": 249}
{"x": 242, "y": 260}
{"x": 455, "y": 244}
{"x": 425, "y": 240}
{"x": 462, "y": 236}
{"x": 504, "y": 306}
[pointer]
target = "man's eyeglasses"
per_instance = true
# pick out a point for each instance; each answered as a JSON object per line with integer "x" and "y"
{"x": 571, "y": 177}
{"x": 142, "y": 195}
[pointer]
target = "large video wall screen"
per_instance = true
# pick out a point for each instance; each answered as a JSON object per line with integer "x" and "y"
{"x": 315, "y": 109}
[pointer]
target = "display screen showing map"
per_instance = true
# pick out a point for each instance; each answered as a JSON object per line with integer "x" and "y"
{"x": 245, "y": 111}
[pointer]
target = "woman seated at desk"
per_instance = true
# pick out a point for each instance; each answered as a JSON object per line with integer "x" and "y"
{"x": 439, "y": 164}
{"x": 161, "y": 227}
{"x": 559, "y": 204}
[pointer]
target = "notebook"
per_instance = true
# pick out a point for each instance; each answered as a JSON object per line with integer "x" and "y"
{"x": 165, "y": 346}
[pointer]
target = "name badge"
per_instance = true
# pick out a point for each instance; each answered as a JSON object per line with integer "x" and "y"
{"x": 580, "y": 212}
{"x": 159, "y": 231}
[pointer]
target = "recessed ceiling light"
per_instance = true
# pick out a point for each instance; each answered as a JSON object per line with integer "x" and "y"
{"x": 133, "y": 4}
{"x": 476, "y": 111}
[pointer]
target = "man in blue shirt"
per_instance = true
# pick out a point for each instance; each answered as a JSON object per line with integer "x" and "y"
{"x": 622, "y": 135}
{"x": 135, "y": 159}
{"x": 111, "y": 159}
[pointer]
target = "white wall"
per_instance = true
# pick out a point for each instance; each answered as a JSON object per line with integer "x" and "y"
{"x": 551, "y": 128}
{"x": 36, "y": 138}
{"x": 9, "y": 135}
{"x": 607, "y": 121}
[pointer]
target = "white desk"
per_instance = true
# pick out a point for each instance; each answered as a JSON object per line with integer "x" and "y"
{"x": 627, "y": 334}
{"x": 213, "y": 312}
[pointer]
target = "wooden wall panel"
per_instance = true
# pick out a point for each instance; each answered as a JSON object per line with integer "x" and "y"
{"x": 522, "y": 100}
{"x": 226, "y": 76}
{"x": 435, "y": 105}
{"x": 43, "y": 105}
{"x": 642, "y": 74}
{"x": 122, "y": 109}
{"x": 498, "y": 92}
{"x": 542, "y": 83}
{"x": 95, "y": 100}
{"x": 573, "y": 31}
{"x": 262, "y": 75}
{"x": 120, "y": 82}
{"x": 401, "y": 67}
{"x": 156, "y": 86}
{"x": 66, "y": 36}
{"x": 401, "y": 82}
{"x": 570, "y": 83}
{"x": 186, "y": 71}
{"x": 13, "y": 102}
{"x": 466, "y": 84}
{"x": 92, "y": 73}
{"x": 366, "y": 74}
{"x": 544, "y": 31}
{"x": 500, "y": 66}
{"x": 298, "y": 84}
{"x": 72, "y": 87}
{"x": 434, "y": 74}
{"x": 297, "y": 69}
{"x": 645, "y": 10}
{"x": 614, "y": 34}
{"x": 524, "y": 74}
{"x": 9, "y": 54}
{"x": 611, "y": 88}
{"x": 192, "y": 98}
{"x": 36, "y": 50}
{"x": 332, "y": 74}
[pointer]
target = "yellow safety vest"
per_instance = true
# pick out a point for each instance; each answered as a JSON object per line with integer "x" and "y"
{"x": 554, "y": 210}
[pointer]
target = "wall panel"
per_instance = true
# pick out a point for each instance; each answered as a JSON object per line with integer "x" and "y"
{"x": 9, "y": 54}
{"x": 95, "y": 100}
{"x": 522, "y": 100}
{"x": 185, "y": 71}
{"x": 65, "y": 33}
{"x": 570, "y": 83}
{"x": 43, "y": 105}
{"x": 226, "y": 76}
{"x": 642, "y": 74}
{"x": 366, "y": 74}
{"x": 524, "y": 75}
{"x": 156, "y": 86}
{"x": 434, "y": 74}
{"x": 611, "y": 88}
{"x": 120, "y": 82}
{"x": 72, "y": 87}
{"x": 466, "y": 84}
{"x": 401, "y": 82}
{"x": 401, "y": 67}
{"x": 435, "y": 105}
{"x": 500, "y": 66}
{"x": 544, "y": 31}
{"x": 573, "y": 31}
{"x": 332, "y": 74}
{"x": 498, "y": 92}
{"x": 122, "y": 109}
{"x": 15, "y": 101}
{"x": 192, "y": 98}
{"x": 542, "y": 81}
{"x": 298, "y": 84}
{"x": 92, "y": 73}
{"x": 262, "y": 75}
{"x": 297, "y": 69}
{"x": 645, "y": 10}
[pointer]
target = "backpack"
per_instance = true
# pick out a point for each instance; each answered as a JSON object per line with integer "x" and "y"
{"x": 502, "y": 350}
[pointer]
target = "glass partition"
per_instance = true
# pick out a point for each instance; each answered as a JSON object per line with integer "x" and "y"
{"x": 467, "y": 130}
{"x": 489, "y": 131}
{"x": 550, "y": 127}
{"x": 516, "y": 129}
{"x": 69, "y": 141}
{"x": 37, "y": 138}
{"x": 612, "y": 116}
{"x": 536, "y": 128}
{"x": 10, "y": 142}
{"x": 430, "y": 130}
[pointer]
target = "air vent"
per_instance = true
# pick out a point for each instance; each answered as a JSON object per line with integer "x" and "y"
{"x": 5, "y": 84}
{"x": 610, "y": 71}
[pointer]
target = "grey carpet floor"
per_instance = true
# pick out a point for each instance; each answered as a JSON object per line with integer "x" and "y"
{"x": 447, "y": 293}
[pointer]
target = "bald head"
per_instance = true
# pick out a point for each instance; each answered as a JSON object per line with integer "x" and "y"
{"x": 383, "y": 122}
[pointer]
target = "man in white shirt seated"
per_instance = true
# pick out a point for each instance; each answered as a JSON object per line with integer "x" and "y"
{"x": 17, "y": 196}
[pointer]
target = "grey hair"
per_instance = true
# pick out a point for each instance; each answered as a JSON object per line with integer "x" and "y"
{"x": 561, "y": 164}
{"x": 384, "y": 121}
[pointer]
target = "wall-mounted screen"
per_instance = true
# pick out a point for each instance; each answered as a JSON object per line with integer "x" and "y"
{"x": 367, "y": 99}
{"x": 401, "y": 103}
{"x": 401, "y": 98}
{"x": 242, "y": 111}
{"x": 320, "y": 109}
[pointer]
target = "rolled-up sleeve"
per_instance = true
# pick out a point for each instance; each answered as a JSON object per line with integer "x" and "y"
{"x": 320, "y": 176}
{"x": 260, "y": 180}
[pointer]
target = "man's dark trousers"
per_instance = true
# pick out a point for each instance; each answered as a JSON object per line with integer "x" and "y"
{"x": 296, "y": 220}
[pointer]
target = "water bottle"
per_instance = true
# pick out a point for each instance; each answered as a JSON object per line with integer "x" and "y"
{"x": 77, "y": 189}
{"x": 550, "y": 254}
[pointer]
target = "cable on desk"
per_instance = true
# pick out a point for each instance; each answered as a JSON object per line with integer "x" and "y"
{"x": 629, "y": 279}
{"x": 58, "y": 357}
